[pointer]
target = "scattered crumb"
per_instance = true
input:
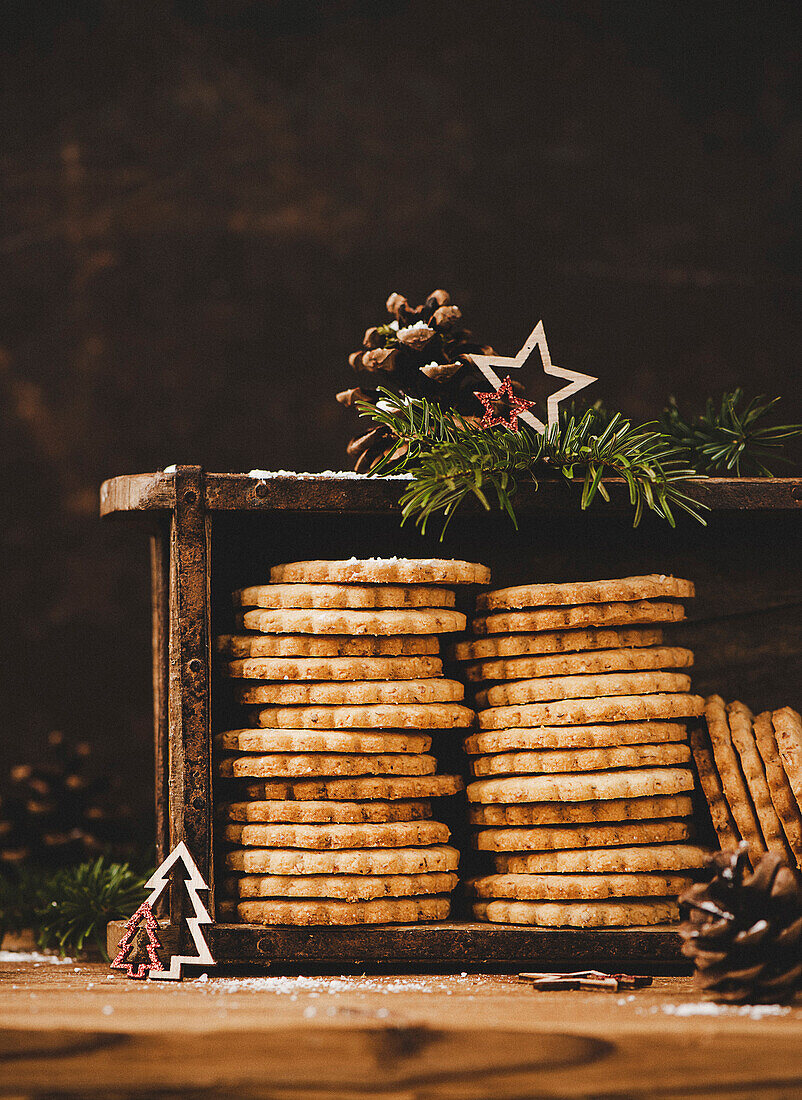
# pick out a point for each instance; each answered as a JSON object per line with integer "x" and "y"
{"x": 107, "y": 1010}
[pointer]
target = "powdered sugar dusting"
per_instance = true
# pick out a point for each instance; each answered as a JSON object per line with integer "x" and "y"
{"x": 31, "y": 956}
{"x": 711, "y": 1008}
{"x": 315, "y": 987}
{"x": 339, "y": 475}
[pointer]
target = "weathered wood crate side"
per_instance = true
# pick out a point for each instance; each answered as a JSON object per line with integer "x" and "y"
{"x": 219, "y": 532}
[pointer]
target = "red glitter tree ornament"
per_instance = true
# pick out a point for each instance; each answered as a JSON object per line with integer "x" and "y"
{"x": 503, "y": 406}
{"x": 137, "y": 950}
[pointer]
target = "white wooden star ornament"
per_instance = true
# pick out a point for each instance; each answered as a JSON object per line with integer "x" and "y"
{"x": 537, "y": 339}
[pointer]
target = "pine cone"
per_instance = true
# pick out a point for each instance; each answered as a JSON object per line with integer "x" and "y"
{"x": 421, "y": 352}
{"x": 744, "y": 930}
{"x": 53, "y": 814}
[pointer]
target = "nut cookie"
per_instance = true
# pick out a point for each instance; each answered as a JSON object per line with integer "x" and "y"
{"x": 740, "y": 721}
{"x": 375, "y": 716}
{"x": 331, "y": 912}
{"x": 342, "y": 596}
{"x": 417, "y": 621}
{"x": 580, "y": 760}
{"x": 327, "y": 741}
{"x": 239, "y": 646}
{"x": 550, "y": 688}
{"x": 505, "y": 647}
{"x": 589, "y": 887}
{"x": 568, "y": 914}
{"x": 381, "y": 571}
{"x": 361, "y": 788}
{"x": 582, "y": 787}
{"x": 283, "y": 812}
{"x": 574, "y": 618}
{"x": 581, "y": 813}
{"x": 575, "y": 737}
{"x": 589, "y": 663}
{"x": 335, "y": 668}
{"x": 368, "y": 861}
{"x": 645, "y": 859}
{"x": 616, "y": 708}
{"x": 788, "y": 731}
{"x": 728, "y": 766}
{"x": 395, "y": 834}
{"x": 296, "y": 765}
{"x": 625, "y": 589}
{"x": 355, "y": 692}
{"x": 555, "y": 837}
{"x": 781, "y": 794}
{"x": 723, "y": 822}
{"x": 344, "y": 887}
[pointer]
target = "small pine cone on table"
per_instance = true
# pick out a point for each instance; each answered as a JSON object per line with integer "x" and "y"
{"x": 744, "y": 930}
{"x": 421, "y": 352}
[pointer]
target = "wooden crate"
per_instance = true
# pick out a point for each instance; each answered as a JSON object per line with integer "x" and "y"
{"x": 212, "y": 533}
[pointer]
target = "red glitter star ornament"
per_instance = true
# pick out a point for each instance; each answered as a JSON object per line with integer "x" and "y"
{"x": 503, "y": 406}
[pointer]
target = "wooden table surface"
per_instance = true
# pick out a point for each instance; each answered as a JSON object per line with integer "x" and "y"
{"x": 74, "y": 1029}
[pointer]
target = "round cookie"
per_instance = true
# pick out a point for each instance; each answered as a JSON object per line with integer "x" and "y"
{"x": 353, "y": 693}
{"x": 782, "y": 796}
{"x": 342, "y": 596}
{"x": 580, "y": 760}
{"x": 567, "y": 914}
{"x": 580, "y": 813}
{"x": 645, "y": 859}
{"x": 575, "y": 737}
{"x": 395, "y": 834}
{"x": 347, "y": 789}
{"x": 740, "y": 722}
{"x": 553, "y": 837}
{"x": 582, "y": 787}
{"x": 787, "y": 725}
{"x": 369, "y": 861}
{"x": 332, "y": 912}
{"x": 577, "y": 618}
{"x": 415, "y": 621}
{"x": 297, "y": 765}
{"x": 376, "y": 716}
{"x": 579, "y": 887}
{"x": 709, "y": 781}
{"x": 240, "y": 646}
{"x": 507, "y": 647}
{"x": 589, "y": 663}
{"x": 732, "y": 778}
{"x": 624, "y": 589}
{"x": 551, "y": 688}
{"x": 616, "y": 708}
{"x": 335, "y": 668}
{"x": 281, "y": 812}
{"x": 344, "y": 887}
{"x": 381, "y": 571}
{"x": 325, "y": 741}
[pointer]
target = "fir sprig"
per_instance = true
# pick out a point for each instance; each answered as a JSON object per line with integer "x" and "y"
{"x": 69, "y": 909}
{"x": 730, "y": 438}
{"x": 452, "y": 460}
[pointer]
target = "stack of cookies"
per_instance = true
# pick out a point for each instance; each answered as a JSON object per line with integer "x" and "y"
{"x": 750, "y": 770}
{"x": 331, "y": 819}
{"x": 582, "y": 784}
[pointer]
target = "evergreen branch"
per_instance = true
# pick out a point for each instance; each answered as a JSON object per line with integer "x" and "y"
{"x": 452, "y": 460}
{"x": 729, "y": 439}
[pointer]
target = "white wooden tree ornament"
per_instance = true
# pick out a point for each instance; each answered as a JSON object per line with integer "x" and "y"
{"x": 537, "y": 339}
{"x": 194, "y": 882}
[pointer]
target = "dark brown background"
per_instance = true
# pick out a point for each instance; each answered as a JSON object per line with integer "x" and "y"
{"x": 204, "y": 204}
